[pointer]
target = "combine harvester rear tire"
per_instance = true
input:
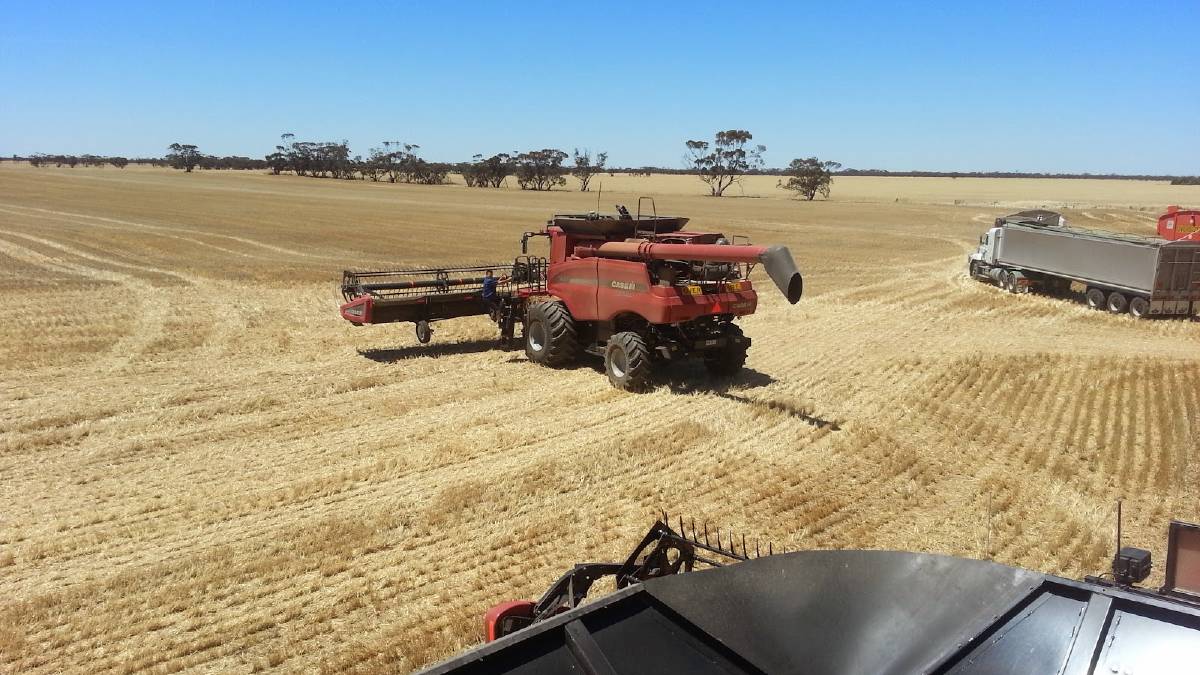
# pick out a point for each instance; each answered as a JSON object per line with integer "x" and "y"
{"x": 550, "y": 335}
{"x": 627, "y": 362}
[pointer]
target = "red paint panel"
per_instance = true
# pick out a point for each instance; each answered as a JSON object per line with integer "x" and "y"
{"x": 358, "y": 310}
{"x": 624, "y": 286}
{"x": 493, "y": 621}
{"x": 1178, "y": 224}
{"x": 574, "y": 282}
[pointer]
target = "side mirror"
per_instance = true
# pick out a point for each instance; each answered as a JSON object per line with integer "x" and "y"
{"x": 525, "y": 244}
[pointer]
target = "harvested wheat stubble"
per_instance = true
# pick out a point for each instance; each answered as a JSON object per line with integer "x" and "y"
{"x": 204, "y": 468}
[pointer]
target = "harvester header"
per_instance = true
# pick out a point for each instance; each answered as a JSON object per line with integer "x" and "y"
{"x": 638, "y": 291}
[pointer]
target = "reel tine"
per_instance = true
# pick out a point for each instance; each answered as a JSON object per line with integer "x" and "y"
{"x": 744, "y": 554}
{"x": 693, "y": 529}
{"x": 706, "y": 533}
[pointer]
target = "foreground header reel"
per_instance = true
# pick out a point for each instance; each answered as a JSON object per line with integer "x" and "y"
{"x": 662, "y": 552}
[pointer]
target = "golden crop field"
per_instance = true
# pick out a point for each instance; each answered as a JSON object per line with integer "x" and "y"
{"x": 205, "y": 468}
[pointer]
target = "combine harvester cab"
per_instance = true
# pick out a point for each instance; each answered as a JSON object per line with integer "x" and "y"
{"x": 635, "y": 291}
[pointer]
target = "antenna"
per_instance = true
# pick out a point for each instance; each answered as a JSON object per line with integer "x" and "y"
{"x": 987, "y": 553}
{"x": 1118, "y": 526}
{"x": 1130, "y": 565}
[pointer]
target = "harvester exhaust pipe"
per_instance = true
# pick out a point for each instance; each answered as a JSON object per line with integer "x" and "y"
{"x": 777, "y": 260}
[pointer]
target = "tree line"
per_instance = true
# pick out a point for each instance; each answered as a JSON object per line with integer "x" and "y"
{"x": 719, "y": 163}
{"x": 201, "y": 161}
{"x": 399, "y": 162}
{"x": 41, "y": 159}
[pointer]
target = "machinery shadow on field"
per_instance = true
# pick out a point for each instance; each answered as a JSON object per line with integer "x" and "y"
{"x": 692, "y": 378}
{"x": 429, "y": 351}
{"x": 785, "y": 408}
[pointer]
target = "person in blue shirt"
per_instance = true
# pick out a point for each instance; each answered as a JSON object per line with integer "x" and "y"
{"x": 490, "y": 299}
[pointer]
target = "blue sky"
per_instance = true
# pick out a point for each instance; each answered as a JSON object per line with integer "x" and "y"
{"x": 1038, "y": 86}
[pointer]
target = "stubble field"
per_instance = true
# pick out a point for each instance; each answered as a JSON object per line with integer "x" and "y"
{"x": 205, "y": 468}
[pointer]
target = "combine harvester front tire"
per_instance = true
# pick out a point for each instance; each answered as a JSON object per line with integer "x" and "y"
{"x": 550, "y": 335}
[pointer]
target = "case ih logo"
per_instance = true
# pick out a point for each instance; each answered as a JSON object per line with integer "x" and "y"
{"x": 624, "y": 285}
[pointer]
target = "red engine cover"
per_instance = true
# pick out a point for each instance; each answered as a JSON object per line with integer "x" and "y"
{"x": 599, "y": 289}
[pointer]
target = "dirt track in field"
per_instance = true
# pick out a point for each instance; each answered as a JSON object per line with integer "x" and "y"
{"x": 205, "y": 468}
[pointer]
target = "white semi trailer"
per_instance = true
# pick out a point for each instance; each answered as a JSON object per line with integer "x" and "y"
{"x": 1118, "y": 272}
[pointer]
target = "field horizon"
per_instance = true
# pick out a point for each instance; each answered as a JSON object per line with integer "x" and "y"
{"x": 206, "y": 468}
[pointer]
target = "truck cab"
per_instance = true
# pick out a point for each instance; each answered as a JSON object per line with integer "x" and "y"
{"x": 986, "y": 253}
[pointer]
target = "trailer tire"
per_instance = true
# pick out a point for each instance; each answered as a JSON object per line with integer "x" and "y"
{"x": 727, "y": 360}
{"x": 1139, "y": 307}
{"x": 1095, "y": 298}
{"x": 551, "y": 338}
{"x": 1117, "y": 303}
{"x": 627, "y": 362}
{"x": 424, "y": 331}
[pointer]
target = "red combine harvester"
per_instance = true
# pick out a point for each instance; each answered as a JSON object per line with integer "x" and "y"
{"x": 635, "y": 290}
{"x": 1179, "y": 224}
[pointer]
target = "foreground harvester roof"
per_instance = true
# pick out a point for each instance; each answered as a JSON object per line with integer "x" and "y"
{"x": 854, "y": 612}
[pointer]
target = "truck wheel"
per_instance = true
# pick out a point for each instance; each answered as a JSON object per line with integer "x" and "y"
{"x": 1117, "y": 303}
{"x": 1008, "y": 281}
{"x": 1095, "y": 298}
{"x": 728, "y": 359}
{"x": 550, "y": 335}
{"x": 1139, "y": 307}
{"x": 627, "y": 361}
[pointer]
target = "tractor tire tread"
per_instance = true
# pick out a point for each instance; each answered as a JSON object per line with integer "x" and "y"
{"x": 562, "y": 337}
{"x": 639, "y": 366}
